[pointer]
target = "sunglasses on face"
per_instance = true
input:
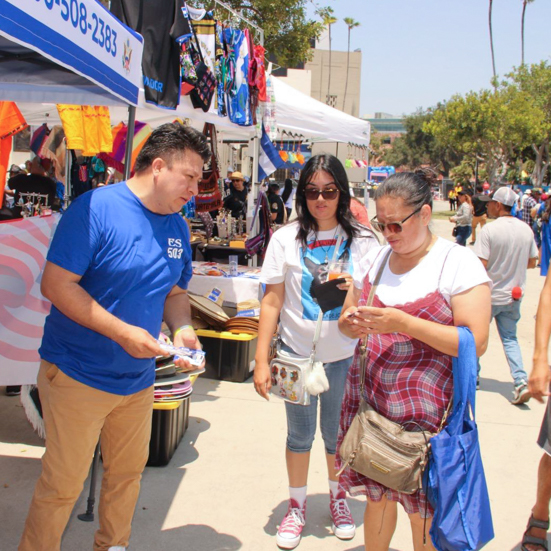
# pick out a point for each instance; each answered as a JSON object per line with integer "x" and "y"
{"x": 313, "y": 193}
{"x": 392, "y": 227}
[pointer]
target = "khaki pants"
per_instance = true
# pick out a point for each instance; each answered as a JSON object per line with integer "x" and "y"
{"x": 74, "y": 417}
{"x": 476, "y": 221}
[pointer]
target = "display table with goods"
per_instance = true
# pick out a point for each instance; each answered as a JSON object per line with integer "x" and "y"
{"x": 225, "y": 318}
{"x": 244, "y": 285}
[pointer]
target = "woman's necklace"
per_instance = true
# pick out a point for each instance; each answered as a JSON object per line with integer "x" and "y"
{"x": 326, "y": 248}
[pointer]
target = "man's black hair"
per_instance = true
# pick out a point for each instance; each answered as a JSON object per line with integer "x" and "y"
{"x": 169, "y": 141}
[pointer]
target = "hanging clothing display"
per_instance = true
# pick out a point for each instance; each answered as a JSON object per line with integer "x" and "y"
{"x": 228, "y": 77}
{"x": 54, "y": 148}
{"x": 204, "y": 26}
{"x": 38, "y": 139}
{"x": 161, "y": 24}
{"x": 115, "y": 158}
{"x": 87, "y": 128}
{"x": 237, "y": 90}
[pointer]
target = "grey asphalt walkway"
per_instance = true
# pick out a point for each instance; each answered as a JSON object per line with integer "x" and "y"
{"x": 225, "y": 488}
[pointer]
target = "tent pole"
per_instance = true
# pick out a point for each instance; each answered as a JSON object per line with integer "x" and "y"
{"x": 68, "y": 183}
{"x": 129, "y": 141}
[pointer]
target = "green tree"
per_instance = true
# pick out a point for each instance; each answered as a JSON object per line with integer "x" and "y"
{"x": 328, "y": 18}
{"x": 534, "y": 83}
{"x": 419, "y": 148}
{"x": 492, "y": 127}
{"x": 351, "y": 23}
{"x": 524, "y": 4}
{"x": 287, "y": 29}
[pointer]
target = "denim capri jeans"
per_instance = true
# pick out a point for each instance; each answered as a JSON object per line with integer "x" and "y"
{"x": 302, "y": 420}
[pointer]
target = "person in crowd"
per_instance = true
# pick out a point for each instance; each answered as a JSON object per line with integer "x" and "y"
{"x": 34, "y": 182}
{"x": 427, "y": 286}
{"x": 507, "y": 249}
{"x": 359, "y": 211}
{"x": 296, "y": 262}
{"x": 288, "y": 196}
{"x": 544, "y": 213}
{"x": 236, "y": 201}
{"x": 479, "y": 201}
{"x": 531, "y": 201}
{"x": 111, "y": 285}
{"x": 277, "y": 207}
{"x": 452, "y": 198}
{"x": 227, "y": 180}
{"x": 6, "y": 208}
{"x": 536, "y": 213}
{"x": 463, "y": 218}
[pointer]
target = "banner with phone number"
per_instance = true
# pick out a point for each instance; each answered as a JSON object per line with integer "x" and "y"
{"x": 80, "y": 35}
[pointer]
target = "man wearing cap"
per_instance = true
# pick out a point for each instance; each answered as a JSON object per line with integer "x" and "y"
{"x": 507, "y": 249}
{"x": 236, "y": 201}
{"x": 119, "y": 263}
{"x": 532, "y": 199}
{"x": 227, "y": 180}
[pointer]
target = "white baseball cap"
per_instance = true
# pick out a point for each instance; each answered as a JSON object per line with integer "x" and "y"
{"x": 506, "y": 196}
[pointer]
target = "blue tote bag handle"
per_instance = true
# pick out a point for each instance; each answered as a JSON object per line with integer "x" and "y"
{"x": 464, "y": 382}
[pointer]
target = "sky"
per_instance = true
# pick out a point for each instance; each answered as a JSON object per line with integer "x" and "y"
{"x": 416, "y": 53}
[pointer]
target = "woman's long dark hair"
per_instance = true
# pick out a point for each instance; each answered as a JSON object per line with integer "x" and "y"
{"x": 307, "y": 223}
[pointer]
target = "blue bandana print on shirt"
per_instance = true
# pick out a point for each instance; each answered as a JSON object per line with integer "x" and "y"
{"x": 314, "y": 272}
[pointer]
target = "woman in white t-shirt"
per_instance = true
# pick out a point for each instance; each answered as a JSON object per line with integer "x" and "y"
{"x": 296, "y": 263}
{"x": 428, "y": 286}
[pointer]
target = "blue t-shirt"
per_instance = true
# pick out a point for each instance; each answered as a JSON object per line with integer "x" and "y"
{"x": 130, "y": 259}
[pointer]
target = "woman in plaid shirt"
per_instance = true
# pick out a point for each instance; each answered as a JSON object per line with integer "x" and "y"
{"x": 428, "y": 286}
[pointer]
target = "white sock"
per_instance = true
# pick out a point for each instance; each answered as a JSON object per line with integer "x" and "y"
{"x": 334, "y": 487}
{"x": 298, "y": 494}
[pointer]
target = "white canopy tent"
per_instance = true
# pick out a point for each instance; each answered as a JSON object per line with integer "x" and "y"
{"x": 295, "y": 112}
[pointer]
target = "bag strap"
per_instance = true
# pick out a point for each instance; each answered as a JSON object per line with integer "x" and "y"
{"x": 371, "y": 296}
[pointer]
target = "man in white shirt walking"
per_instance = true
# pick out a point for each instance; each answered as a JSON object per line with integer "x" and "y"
{"x": 507, "y": 249}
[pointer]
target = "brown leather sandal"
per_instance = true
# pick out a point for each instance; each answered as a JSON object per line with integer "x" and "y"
{"x": 527, "y": 539}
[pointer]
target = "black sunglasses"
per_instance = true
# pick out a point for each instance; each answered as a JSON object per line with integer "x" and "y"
{"x": 312, "y": 194}
{"x": 393, "y": 227}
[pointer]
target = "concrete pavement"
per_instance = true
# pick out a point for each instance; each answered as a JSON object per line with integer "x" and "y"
{"x": 225, "y": 488}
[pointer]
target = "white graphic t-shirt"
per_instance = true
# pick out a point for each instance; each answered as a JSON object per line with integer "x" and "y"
{"x": 302, "y": 270}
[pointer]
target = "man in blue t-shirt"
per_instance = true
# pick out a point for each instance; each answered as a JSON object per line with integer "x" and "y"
{"x": 119, "y": 264}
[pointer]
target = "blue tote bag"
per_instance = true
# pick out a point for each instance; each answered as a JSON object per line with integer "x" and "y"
{"x": 456, "y": 485}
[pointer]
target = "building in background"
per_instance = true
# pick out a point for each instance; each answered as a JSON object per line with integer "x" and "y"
{"x": 386, "y": 126}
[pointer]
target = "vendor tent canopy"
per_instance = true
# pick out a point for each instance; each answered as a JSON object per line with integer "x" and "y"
{"x": 297, "y": 112}
{"x": 50, "y": 51}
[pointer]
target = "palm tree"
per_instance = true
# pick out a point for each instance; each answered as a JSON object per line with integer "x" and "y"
{"x": 524, "y": 3}
{"x": 329, "y": 19}
{"x": 350, "y": 23}
{"x": 492, "y": 43}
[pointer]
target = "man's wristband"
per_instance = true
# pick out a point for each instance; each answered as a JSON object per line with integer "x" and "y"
{"x": 181, "y": 329}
